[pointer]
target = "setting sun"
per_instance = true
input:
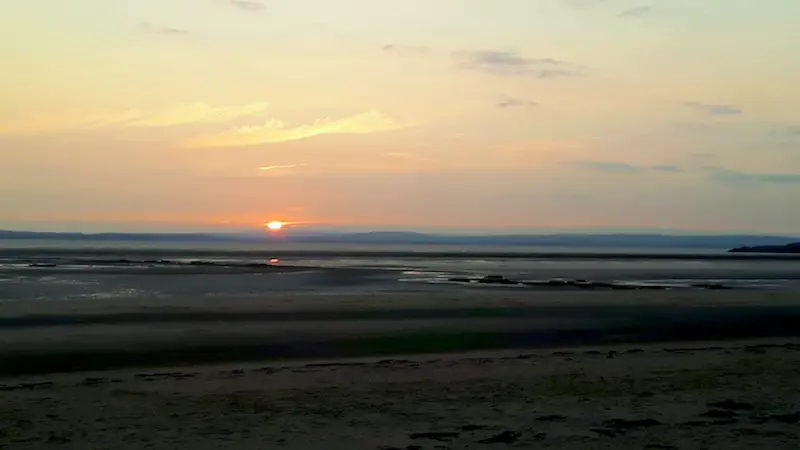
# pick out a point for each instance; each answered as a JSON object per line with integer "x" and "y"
{"x": 274, "y": 226}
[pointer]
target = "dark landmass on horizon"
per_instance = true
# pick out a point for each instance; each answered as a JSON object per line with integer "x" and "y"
{"x": 762, "y": 243}
{"x": 793, "y": 248}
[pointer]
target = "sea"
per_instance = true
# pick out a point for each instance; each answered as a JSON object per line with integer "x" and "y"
{"x": 79, "y": 305}
{"x": 65, "y": 270}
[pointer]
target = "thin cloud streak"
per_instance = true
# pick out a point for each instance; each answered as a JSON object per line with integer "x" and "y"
{"x": 275, "y": 131}
{"x": 509, "y": 102}
{"x": 636, "y": 12}
{"x": 155, "y": 28}
{"x": 714, "y": 109}
{"x": 511, "y": 64}
{"x": 249, "y": 5}
{"x": 179, "y": 114}
{"x": 666, "y": 168}
{"x": 283, "y": 166}
{"x": 622, "y": 167}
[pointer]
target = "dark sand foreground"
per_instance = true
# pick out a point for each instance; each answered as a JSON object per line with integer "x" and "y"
{"x": 729, "y": 392}
{"x": 737, "y": 395}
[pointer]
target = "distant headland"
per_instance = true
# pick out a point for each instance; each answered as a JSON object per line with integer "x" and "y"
{"x": 788, "y": 248}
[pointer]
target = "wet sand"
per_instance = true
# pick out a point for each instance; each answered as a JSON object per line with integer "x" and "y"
{"x": 88, "y": 335}
{"x": 628, "y": 370}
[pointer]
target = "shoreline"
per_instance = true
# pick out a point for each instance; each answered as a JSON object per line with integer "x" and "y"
{"x": 608, "y": 350}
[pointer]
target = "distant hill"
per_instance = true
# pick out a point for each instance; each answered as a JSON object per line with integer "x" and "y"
{"x": 133, "y": 237}
{"x": 789, "y": 248}
{"x": 560, "y": 240}
{"x": 659, "y": 241}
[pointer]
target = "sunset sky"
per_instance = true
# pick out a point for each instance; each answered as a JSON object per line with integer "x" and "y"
{"x": 417, "y": 114}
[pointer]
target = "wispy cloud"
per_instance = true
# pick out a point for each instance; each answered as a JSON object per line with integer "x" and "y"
{"x": 275, "y": 131}
{"x": 636, "y": 12}
{"x": 509, "y": 63}
{"x": 714, "y": 109}
{"x": 666, "y": 168}
{"x": 406, "y": 49}
{"x": 622, "y": 167}
{"x": 180, "y": 114}
{"x": 510, "y": 102}
{"x": 249, "y": 5}
{"x": 738, "y": 177}
{"x": 280, "y": 169}
{"x": 155, "y": 28}
{"x": 281, "y": 166}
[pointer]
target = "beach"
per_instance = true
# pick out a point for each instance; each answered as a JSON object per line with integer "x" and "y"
{"x": 695, "y": 396}
{"x": 481, "y": 369}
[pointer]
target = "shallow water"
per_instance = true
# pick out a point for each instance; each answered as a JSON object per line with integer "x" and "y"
{"x": 68, "y": 271}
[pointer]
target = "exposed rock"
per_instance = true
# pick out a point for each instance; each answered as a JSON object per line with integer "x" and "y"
{"x": 719, "y": 414}
{"x": 755, "y": 432}
{"x": 790, "y": 418}
{"x": 164, "y": 375}
{"x": 606, "y": 432}
{"x": 755, "y": 349}
{"x": 394, "y": 362}
{"x": 58, "y": 439}
{"x": 506, "y": 437}
{"x": 711, "y": 286}
{"x": 626, "y": 423}
{"x": 496, "y": 279}
{"x": 460, "y": 279}
{"x": 435, "y": 435}
{"x": 93, "y": 381}
{"x": 28, "y": 386}
{"x": 551, "y": 418}
{"x": 731, "y": 405}
{"x": 695, "y": 423}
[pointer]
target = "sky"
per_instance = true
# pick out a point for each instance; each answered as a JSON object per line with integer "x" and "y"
{"x": 161, "y": 115}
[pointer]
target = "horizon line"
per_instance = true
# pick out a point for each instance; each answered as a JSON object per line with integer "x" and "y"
{"x": 500, "y": 233}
